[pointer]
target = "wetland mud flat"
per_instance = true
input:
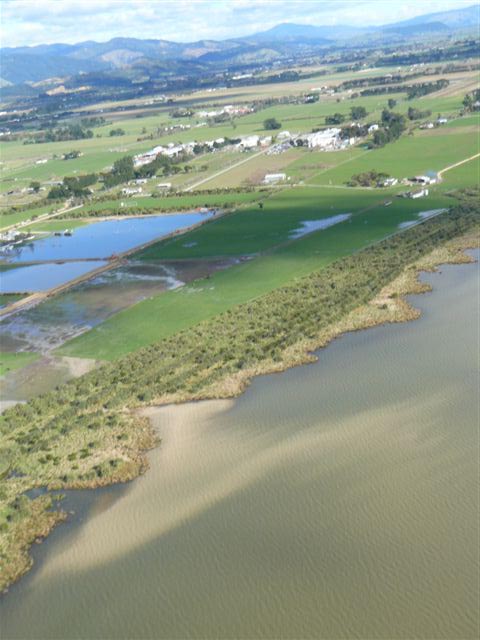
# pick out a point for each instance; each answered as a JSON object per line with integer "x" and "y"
{"x": 331, "y": 500}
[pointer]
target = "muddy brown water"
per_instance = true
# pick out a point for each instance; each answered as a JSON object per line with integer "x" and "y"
{"x": 335, "y": 500}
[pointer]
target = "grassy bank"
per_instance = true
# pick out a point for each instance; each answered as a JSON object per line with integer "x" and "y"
{"x": 83, "y": 434}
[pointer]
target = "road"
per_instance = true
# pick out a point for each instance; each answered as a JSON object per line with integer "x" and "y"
{"x": 457, "y": 164}
{"x": 42, "y": 218}
{"x": 222, "y": 171}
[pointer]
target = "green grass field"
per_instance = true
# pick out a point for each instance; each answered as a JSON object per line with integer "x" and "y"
{"x": 58, "y": 225}
{"x": 407, "y": 156}
{"x": 9, "y": 219}
{"x": 172, "y": 203}
{"x": 11, "y": 361}
{"x": 165, "y": 314}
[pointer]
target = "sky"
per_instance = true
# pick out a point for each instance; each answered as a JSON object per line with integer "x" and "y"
{"x": 30, "y": 22}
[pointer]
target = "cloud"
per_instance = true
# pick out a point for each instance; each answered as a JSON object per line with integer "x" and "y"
{"x": 28, "y": 22}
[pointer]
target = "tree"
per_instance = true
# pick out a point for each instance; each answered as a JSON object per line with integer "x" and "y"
{"x": 271, "y": 123}
{"x": 35, "y": 186}
{"x": 416, "y": 114}
{"x": 337, "y": 118}
{"x": 468, "y": 102}
{"x": 357, "y": 113}
{"x": 391, "y": 103}
{"x": 116, "y": 132}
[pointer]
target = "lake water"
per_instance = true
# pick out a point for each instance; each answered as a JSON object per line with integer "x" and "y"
{"x": 102, "y": 239}
{"x": 336, "y": 500}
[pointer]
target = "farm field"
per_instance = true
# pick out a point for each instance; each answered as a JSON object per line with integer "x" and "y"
{"x": 408, "y": 156}
{"x": 171, "y": 203}
{"x": 9, "y": 219}
{"x": 168, "y": 313}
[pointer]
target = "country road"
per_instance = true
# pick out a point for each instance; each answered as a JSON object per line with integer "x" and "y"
{"x": 457, "y": 164}
{"x": 222, "y": 171}
{"x": 42, "y": 218}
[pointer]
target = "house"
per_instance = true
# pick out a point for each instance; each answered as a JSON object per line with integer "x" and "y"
{"x": 442, "y": 121}
{"x": 373, "y": 127}
{"x": 428, "y": 179}
{"x": 272, "y": 178}
{"x": 164, "y": 185}
{"x": 284, "y": 135}
{"x": 141, "y": 181}
{"x": 427, "y": 125}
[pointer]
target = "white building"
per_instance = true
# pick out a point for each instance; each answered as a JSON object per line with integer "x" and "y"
{"x": 418, "y": 194}
{"x": 249, "y": 142}
{"x": 442, "y": 120}
{"x": 373, "y": 127}
{"x": 390, "y": 182}
{"x": 164, "y": 185}
{"x": 272, "y": 178}
{"x": 424, "y": 179}
{"x": 130, "y": 192}
{"x": 284, "y": 135}
{"x": 326, "y": 139}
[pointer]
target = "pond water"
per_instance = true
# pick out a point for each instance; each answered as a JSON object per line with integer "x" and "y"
{"x": 336, "y": 500}
{"x": 51, "y": 323}
{"x": 39, "y": 277}
{"x": 103, "y": 239}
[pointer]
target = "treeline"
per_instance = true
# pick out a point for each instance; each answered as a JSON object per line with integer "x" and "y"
{"x": 69, "y": 132}
{"x": 368, "y": 179}
{"x": 73, "y": 187}
{"x": 376, "y": 80}
{"x": 413, "y": 90}
{"x": 144, "y": 211}
{"x": 464, "y": 49}
{"x": 356, "y": 113}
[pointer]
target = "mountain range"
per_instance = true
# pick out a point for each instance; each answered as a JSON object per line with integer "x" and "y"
{"x": 35, "y": 64}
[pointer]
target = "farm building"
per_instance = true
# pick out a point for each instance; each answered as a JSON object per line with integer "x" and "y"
{"x": 271, "y": 178}
{"x": 249, "y": 142}
{"x": 417, "y": 194}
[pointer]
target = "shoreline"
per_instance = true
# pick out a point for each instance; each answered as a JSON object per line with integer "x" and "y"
{"x": 388, "y": 306}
